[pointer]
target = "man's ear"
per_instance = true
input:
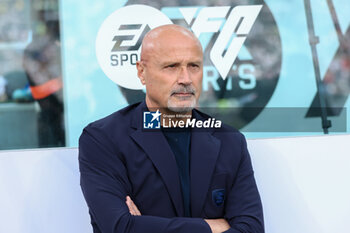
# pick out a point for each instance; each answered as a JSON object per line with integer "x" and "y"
{"x": 140, "y": 66}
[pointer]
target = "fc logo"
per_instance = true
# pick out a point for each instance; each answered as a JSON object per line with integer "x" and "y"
{"x": 232, "y": 35}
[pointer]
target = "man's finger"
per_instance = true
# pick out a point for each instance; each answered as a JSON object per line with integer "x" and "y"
{"x": 128, "y": 203}
{"x": 138, "y": 213}
{"x": 135, "y": 209}
{"x": 218, "y": 225}
{"x": 132, "y": 207}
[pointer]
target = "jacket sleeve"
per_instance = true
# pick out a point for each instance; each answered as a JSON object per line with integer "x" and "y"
{"x": 105, "y": 185}
{"x": 244, "y": 209}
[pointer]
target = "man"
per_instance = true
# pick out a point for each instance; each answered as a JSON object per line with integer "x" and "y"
{"x": 195, "y": 181}
{"x": 42, "y": 64}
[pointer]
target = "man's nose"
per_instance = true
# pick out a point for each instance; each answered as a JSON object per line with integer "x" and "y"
{"x": 184, "y": 76}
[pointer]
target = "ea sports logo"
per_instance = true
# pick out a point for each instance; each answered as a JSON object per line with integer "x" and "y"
{"x": 118, "y": 42}
{"x": 241, "y": 44}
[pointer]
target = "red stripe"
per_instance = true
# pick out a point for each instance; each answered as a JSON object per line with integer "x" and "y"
{"x": 46, "y": 89}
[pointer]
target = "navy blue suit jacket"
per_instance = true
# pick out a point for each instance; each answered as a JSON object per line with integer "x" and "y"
{"x": 118, "y": 158}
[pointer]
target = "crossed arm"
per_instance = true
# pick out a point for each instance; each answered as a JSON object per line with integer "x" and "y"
{"x": 216, "y": 225}
{"x": 105, "y": 195}
{"x": 104, "y": 182}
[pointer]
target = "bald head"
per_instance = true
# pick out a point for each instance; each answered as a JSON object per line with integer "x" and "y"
{"x": 165, "y": 35}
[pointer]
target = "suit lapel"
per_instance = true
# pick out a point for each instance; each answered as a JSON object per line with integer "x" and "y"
{"x": 158, "y": 150}
{"x": 204, "y": 152}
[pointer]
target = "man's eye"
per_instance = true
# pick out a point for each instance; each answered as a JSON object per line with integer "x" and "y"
{"x": 171, "y": 66}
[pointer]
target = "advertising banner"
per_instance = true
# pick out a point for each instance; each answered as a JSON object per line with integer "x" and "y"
{"x": 260, "y": 71}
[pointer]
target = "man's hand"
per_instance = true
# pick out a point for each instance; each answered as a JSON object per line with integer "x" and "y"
{"x": 132, "y": 207}
{"x": 218, "y": 225}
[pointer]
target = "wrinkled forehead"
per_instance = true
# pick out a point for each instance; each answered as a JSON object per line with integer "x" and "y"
{"x": 176, "y": 51}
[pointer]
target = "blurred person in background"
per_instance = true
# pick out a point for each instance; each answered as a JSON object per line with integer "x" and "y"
{"x": 42, "y": 63}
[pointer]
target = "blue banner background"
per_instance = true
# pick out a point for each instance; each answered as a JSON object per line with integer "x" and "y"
{"x": 90, "y": 95}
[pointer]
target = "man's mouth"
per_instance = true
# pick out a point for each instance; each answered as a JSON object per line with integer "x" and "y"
{"x": 183, "y": 94}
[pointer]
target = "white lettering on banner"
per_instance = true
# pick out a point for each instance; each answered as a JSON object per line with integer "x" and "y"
{"x": 204, "y": 22}
{"x": 239, "y": 22}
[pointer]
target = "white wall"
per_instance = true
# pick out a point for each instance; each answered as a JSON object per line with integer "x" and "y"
{"x": 304, "y": 184}
{"x": 40, "y": 192}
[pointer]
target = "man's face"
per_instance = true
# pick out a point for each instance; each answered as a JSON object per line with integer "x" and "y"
{"x": 172, "y": 73}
